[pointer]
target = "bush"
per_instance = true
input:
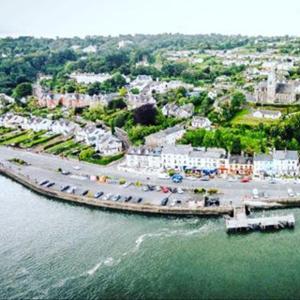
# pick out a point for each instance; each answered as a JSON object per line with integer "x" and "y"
{"x": 212, "y": 191}
{"x": 122, "y": 181}
{"x": 199, "y": 191}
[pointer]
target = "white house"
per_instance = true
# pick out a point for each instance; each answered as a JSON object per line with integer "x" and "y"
{"x": 168, "y": 136}
{"x": 109, "y": 144}
{"x": 64, "y": 127}
{"x": 201, "y": 122}
{"x": 267, "y": 114}
{"x": 181, "y": 112}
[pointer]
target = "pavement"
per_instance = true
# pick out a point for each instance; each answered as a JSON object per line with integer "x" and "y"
{"x": 44, "y": 166}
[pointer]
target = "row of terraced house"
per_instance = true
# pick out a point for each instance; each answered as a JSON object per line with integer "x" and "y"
{"x": 97, "y": 136}
{"x": 211, "y": 160}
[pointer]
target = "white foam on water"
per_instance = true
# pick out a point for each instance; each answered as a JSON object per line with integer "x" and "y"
{"x": 93, "y": 270}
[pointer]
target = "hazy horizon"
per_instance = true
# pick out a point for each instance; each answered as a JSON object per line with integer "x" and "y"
{"x": 71, "y": 18}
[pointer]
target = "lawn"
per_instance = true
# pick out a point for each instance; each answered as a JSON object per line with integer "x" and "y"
{"x": 103, "y": 160}
{"x": 38, "y": 140}
{"x": 62, "y": 147}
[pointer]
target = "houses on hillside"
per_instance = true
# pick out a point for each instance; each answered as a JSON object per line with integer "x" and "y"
{"x": 98, "y": 137}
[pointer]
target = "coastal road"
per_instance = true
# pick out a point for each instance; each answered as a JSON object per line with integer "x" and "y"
{"x": 47, "y": 165}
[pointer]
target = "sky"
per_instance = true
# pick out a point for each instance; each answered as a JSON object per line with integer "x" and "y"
{"x": 68, "y": 18}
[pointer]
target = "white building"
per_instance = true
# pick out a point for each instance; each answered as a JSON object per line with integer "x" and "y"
{"x": 278, "y": 163}
{"x": 179, "y": 157}
{"x": 109, "y": 145}
{"x": 90, "y": 49}
{"x": 87, "y": 78}
{"x": 181, "y": 112}
{"x": 168, "y": 136}
{"x": 267, "y": 114}
{"x": 201, "y": 122}
{"x": 143, "y": 158}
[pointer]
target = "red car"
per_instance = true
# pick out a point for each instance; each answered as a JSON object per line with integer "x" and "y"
{"x": 245, "y": 179}
{"x": 165, "y": 189}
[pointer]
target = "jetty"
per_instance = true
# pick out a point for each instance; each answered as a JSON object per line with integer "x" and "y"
{"x": 240, "y": 222}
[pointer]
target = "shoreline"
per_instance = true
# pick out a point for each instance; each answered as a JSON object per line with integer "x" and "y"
{"x": 115, "y": 206}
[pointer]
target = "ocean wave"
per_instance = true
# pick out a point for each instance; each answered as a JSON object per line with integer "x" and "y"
{"x": 166, "y": 233}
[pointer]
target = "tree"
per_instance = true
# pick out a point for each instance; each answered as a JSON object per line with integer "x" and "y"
{"x": 145, "y": 115}
{"x": 23, "y": 90}
{"x": 123, "y": 91}
{"x": 236, "y": 146}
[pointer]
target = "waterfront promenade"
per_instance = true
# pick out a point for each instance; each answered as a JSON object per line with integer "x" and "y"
{"x": 45, "y": 167}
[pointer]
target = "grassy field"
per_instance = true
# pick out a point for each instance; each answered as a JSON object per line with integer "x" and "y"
{"x": 245, "y": 117}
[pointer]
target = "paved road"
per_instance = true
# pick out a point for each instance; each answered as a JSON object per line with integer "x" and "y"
{"x": 43, "y": 165}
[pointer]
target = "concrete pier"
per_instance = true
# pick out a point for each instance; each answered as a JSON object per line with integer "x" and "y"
{"x": 240, "y": 222}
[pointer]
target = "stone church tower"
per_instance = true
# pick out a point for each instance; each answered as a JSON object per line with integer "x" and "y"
{"x": 271, "y": 86}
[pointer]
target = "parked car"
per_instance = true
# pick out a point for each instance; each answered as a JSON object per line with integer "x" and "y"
{"x": 165, "y": 189}
{"x": 204, "y": 178}
{"x": 180, "y": 191}
{"x": 164, "y": 202}
{"x": 72, "y": 190}
{"x": 213, "y": 201}
{"x": 291, "y": 193}
{"x": 139, "y": 200}
{"x": 145, "y": 188}
{"x": 84, "y": 193}
{"x": 177, "y": 178}
{"x": 106, "y": 197}
{"x": 98, "y": 195}
{"x": 245, "y": 179}
{"x": 115, "y": 197}
{"x": 66, "y": 187}
{"x": 163, "y": 176}
{"x": 128, "y": 198}
{"x": 76, "y": 168}
{"x": 50, "y": 184}
{"x": 158, "y": 188}
{"x": 44, "y": 182}
{"x": 65, "y": 172}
